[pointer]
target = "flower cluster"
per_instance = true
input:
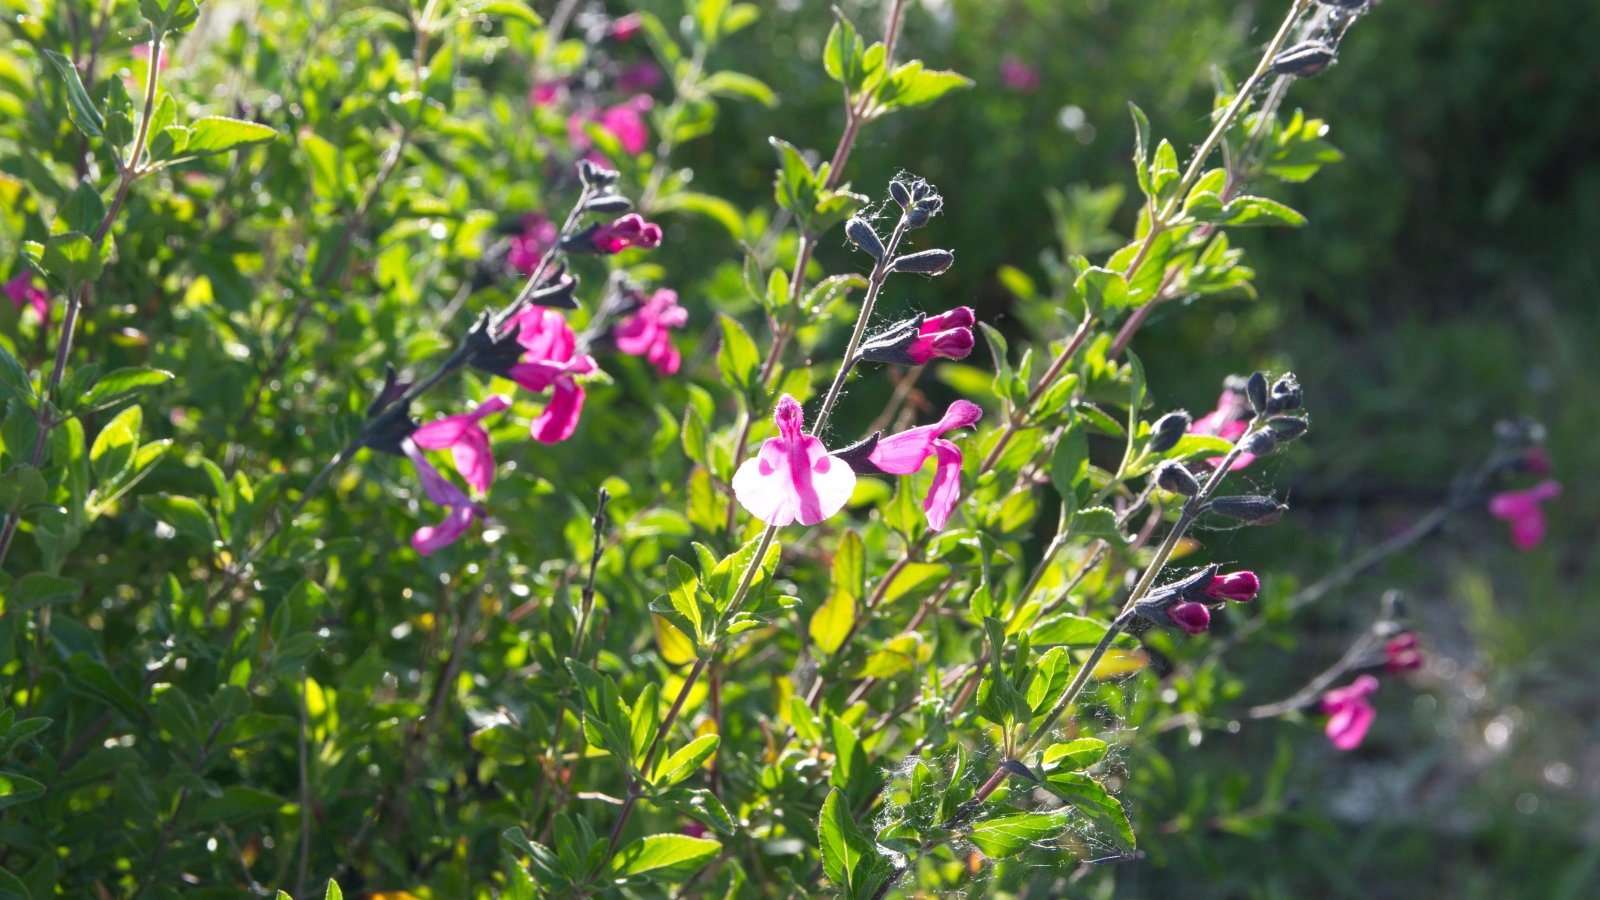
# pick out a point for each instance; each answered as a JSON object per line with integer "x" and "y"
{"x": 464, "y": 436}
{"x": 1187, "y": 604}
{"x": 1349, "y": 712}
{"x": 646, "y": 330}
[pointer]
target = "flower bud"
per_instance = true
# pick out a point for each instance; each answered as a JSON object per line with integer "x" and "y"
{"x": 1304, "y": 59}
{"x": 1259, "y": 442}
{"x": 1285, "y": 394}
{"x": 596, "y": 176}
{"x": 926, "y": 262}
{"x": 1175, "y": 477}
{"x": 1287, "y": 428}
{"x": 900, "y": 193}
{"x": 1400, "y": 654}
{"x": 394, "y": 387}
{"x": 1240, "y": 587}
{"x": 862, "y": 235}
{"x": 1255, "y": 388}
{"x": 1166, "y": 432}
{"x": 1250, "y": 509}
{"x": 924, "y": 210}
{"x": 1193, "y": 618}
{"x": 610, "y": 204}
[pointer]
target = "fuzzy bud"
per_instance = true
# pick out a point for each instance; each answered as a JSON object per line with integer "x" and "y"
{"x": 1174, "y": 477}
{"x": 926, "y": 262}
{"x": 900, "y": 193}
{"x": 1287, "y": 428}
{"x": 1260, "y": 442}
{"x": 862, "y": 235}
{"x": 1250, "y": 509}
{"x": 610, "y": 204}
{"x": 1304, "y": 59}
{"x": 1193, "y": 618}
{"x": 1168, "y": 430}
{"x": 596, "y": 176}
{"x": 1255, "y": 389}
{"x": 1285, "y": 394}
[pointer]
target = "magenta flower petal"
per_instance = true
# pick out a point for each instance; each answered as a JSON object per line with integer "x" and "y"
{"x": 1228, "y": 421}
{"x": 1240, "y": 587}
{"x": 647, "y": 331}
{"x": 467, "y": 441}
{"x": 560, "y": 416}
{"x": 1524, "y": 511}
{"x": 946, "y": 488}
{"x": 459, "y": 508}
{"x": 792, "y": 478}
{"x": 1193, "y": 618}
{"x": 1350, "y": 714}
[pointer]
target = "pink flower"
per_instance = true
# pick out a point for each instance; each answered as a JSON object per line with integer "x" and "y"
{"x": 904, "y": 453}
{"x": 466, "y": 440}
{"x": 1349, "y": 712}
{"x": 1018, "y": 75}
{"x": 793, "y": 478}
{"x": 550, "y": 361}
{"x": 1522, "y": 510}
{"x": 1400, "y": 654}
{"x": 22, "y": 292}
{"x": 546, "y": 93}
{"x": 641, "y": 77}
{"x": 1229, "y": 421}
{"x": 1240, "y": 587}
{"x": 625, "y": 121}
{"x": 1193, "y": 618}
{"x": 623, "y": 28}
{"x": 459, "y": 508}
{"x": 538, "y": 235}
{"x": 947, "y": 335}
{"x": 1536, "y": 461}
{"x": 646, "y": 332}
{"x": 629, "y": 231}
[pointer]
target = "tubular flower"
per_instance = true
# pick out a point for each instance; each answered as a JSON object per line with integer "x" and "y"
{"x": 1193, "y": 618}
{"x": 1349, "y": 712}
{"x": 1228, "y": 421}
{"x": 646, "y": 332}
{"x": 904, "y": 454}
{"x": 459, "y": 508}
{"x": 1522, "y": 509}
{"x": 629, "y": 231}
{"x": 625, "y": 121}
{"x": 792, "y": 479}
{"x": 23, "y": 292}
{"x": 468, "y": 443}
{"x": 1400, "y": 654}
{"x": 1240, "y": 587}
{"x": 549, "y": 360}
{"x": 947, "y": 335}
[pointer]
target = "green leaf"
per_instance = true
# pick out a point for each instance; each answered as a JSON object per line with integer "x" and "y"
{"x": 665, "y": 856}
{"x": 21, "y": 486}
{"x": 37, "y": 589}
{"x": 737, "y": 359}
{"x": 170, "y": 15}
{"x": 184, "y": 514}
{"x": 736, "y": 86}
{"x": 850, "y": 858}
{"x": 1102, "y": 291}
{"x": 504, "y": 9}
{"x": 13, "y": 888}
{"x": 1091, "y": 798}
{"x": 1010, "y": 835}
{"x": 1141, "y": 148}
{"x": 72, "y": 260}
{"x": 219, "y": 134}
{"x": 832, "y": 622}
{"x": 1261, "y": 211}
{"x": 910, "y": 85}
{"x": 333, "y": 891}
{"x": 708, "y": 205}
{"x": 1069, "y": 463}
{"x": 1067, "y": 630}
{"x": 120, "y": 383}
{"x": 683, "y": 763}
{"x": 84, "y": 209}
{"x": 80, "y": 108}
{"x": 1098, "y": 521}
{"x": 702, "y": 805}
{"x": 16, "y": 789}
{"x": 1079, "y": 754}
{"x": 841, "y": 55}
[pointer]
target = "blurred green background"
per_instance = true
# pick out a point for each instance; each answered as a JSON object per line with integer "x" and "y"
{"x": 1445, "y": 281}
